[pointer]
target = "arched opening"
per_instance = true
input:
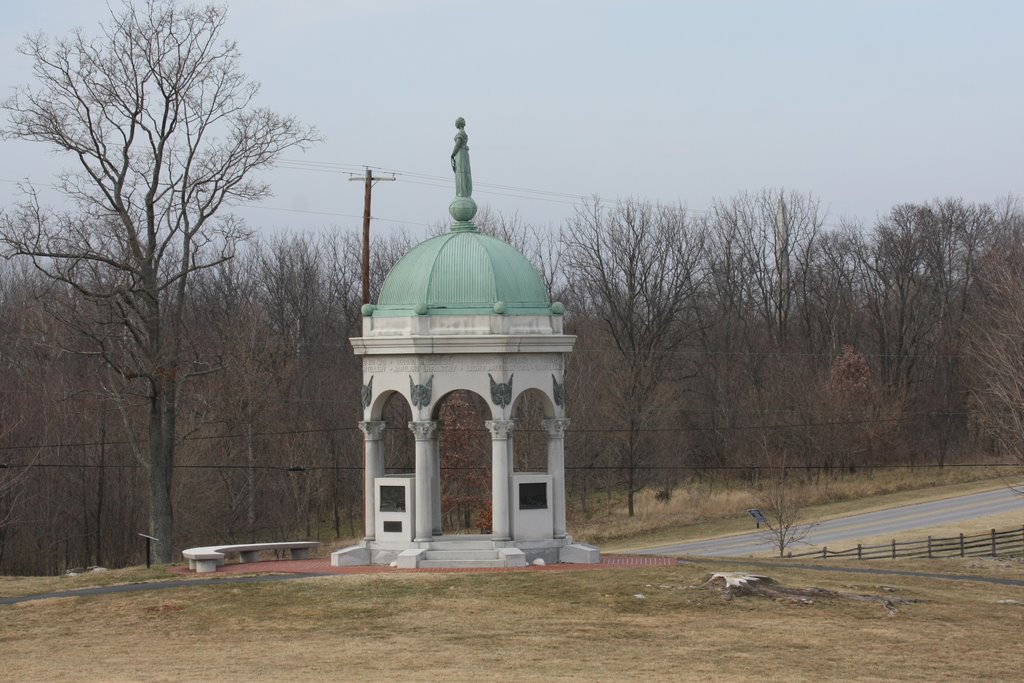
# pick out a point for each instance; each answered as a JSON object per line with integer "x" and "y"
{"x": 399, "y": 443}
{"x": 530, "y": 453}
{"x": 465, "y": 450}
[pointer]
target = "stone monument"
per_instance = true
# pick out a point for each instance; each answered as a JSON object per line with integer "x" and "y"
{"x": 463, "y": 311}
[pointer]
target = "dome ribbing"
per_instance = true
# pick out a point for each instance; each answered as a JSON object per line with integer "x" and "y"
{"x": 463, "y": 273}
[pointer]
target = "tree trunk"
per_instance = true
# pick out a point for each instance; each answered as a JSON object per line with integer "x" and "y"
{"x": 631, "y": 464}
{"x": 100, "y": 485}
{"x": 161, "y": 469}
{"x": 335, "y": 494}
{"x": 250, "y": 483}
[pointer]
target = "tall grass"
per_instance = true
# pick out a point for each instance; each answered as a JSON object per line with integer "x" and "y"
{"x": 718, "y": 498}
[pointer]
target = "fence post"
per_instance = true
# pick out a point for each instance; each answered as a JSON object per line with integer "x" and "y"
{"x": 929, "y": 547}
{"x": 993, "y": 543}
{"x": 894, "y": 548}
{"x": 858, "y": 552}
{"x": 961, "y": 545}
{"x": 824, "y": 552}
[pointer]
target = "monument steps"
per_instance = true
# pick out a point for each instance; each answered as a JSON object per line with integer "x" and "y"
{"x": 462, "y": 554}
{"x": 468, "y": 543}
{"x": 461, "y": 564}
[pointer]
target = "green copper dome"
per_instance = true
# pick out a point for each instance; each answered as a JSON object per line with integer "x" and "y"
{"x": 462, "y": 272}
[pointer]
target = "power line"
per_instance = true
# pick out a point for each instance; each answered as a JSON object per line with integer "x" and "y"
{"x": 648, "y": 468}
{"x": 497, "y": 188}
{"x": 398, "y": 221}
{"x": 354, "y": 401}
{"x": 264, "y": 207}
{"x": 331, "y": 167}
{"x": 201, "y": 437}
{"x": 679, "y": 353}
{"x": 494, "y": 192}
{"x": 770, "y": 468}
{"x": 571, "y": 430}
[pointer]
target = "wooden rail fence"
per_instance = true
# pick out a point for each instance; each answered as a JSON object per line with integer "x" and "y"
{"x": 991, "y": 543}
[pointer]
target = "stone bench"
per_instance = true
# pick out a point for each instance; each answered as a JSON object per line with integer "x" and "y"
{"x": 208, "y": 558}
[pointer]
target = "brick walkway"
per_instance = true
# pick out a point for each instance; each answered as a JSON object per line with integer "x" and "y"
{"x": 322, "y": 565}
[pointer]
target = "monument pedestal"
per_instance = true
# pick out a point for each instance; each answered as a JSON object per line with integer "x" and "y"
{"x": 466, "y": 551}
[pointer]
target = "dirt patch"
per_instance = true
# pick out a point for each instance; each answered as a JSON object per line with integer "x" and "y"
{"x": 732, "y": 585}
{"x": 163, "y": 608}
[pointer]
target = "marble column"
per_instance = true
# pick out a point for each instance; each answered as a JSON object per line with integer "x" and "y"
{"x": 511, "y": 468}
{"x": 373, "y": 467}
{"x": 556, "y": 468}
{"x": 426, "y": 436}
{"x": 501, "y": 431}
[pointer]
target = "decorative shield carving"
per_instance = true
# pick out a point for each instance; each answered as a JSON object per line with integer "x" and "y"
{"x": 367, "y": 393}
{"x": 419, "y": 394}
{"x": 501, "y": 393}
{"x": 558, "y": 392}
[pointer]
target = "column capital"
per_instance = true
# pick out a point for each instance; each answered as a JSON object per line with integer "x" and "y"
{"x": 424, "y": 430}
{"x": 556, "y": 426}
{"x": 500, "y": 429}
{"x": 372, "y": 429}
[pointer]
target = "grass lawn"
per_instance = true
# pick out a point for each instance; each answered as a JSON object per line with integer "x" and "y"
{"x": 540, "y": 625}
{"x": 31, "y": 585}
{"x": 525, "y": 626}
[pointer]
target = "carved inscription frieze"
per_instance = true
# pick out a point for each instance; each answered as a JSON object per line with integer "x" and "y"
{"x": 435, "y": 364}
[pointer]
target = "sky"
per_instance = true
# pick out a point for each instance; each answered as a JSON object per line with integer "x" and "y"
{"x": 862, "y": 104}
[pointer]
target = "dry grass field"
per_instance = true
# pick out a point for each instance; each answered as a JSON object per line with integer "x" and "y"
{"x": 527, "y": 626}
{"x": 655, "y": 624}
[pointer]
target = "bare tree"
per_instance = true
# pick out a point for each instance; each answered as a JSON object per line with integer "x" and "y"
{"x": 765, "y": 239}
{"x": 637, "y": 268}
{"x": 828, "y": 299}
{"x": 956, "y": 233}
{"x": 11, "y": 484}
{"x": 779, "y": 499}
{"x": 164, "y": 130}
{"x": 996, "y": 350}
{"x": 893, "y": 274}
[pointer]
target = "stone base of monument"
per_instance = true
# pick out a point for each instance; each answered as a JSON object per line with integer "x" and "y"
{"x": 352, "y": 556}
{"x": 466, "y": 551}
{"x": 579, "y": 553}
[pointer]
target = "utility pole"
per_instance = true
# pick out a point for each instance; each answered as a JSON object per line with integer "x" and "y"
{"x": 367, "y": 194}
{"x": 370, "y": 180}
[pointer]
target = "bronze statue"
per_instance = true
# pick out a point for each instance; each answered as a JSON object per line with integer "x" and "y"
{"x": 460, "y": 161}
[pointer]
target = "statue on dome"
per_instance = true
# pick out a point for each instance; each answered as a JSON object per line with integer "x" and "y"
{"x": 460, "y": 161}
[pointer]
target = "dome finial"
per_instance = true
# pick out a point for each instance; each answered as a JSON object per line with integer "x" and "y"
{"x": 462, "y": 208}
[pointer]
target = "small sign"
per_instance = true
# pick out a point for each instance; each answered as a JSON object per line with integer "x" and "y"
{"x": 150, "y": 540}
{"x": 758, "y": 516}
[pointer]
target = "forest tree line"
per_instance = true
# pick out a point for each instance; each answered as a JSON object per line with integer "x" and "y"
{"x": 709, "y": 343}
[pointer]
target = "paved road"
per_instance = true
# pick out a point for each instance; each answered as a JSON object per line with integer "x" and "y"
{"x": 847, "y": 531}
